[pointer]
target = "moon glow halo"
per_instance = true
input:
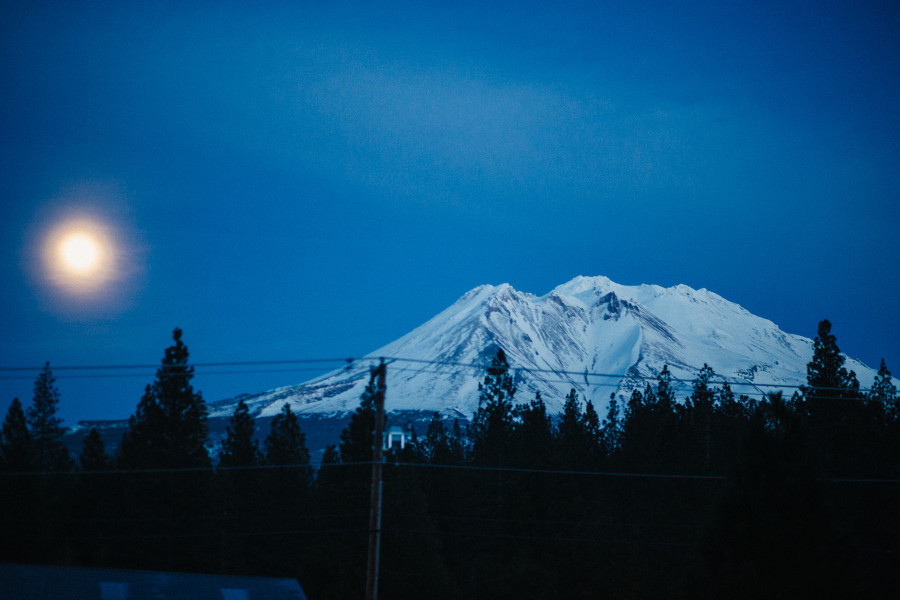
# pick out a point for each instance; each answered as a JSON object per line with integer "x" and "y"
{"x": 80, "y": 257}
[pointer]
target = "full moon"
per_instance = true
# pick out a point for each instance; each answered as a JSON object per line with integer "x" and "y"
{"x": 80, "y": 253}
{"x": 80, "y": 256}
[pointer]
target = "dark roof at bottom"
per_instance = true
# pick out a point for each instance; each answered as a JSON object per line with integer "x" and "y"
{"x": 27, "y": 582}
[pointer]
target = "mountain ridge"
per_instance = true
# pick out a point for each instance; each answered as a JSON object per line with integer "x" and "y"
{"x": 615, "y": 337}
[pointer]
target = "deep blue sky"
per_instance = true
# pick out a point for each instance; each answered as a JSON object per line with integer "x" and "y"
{"x": 292, "y": 181}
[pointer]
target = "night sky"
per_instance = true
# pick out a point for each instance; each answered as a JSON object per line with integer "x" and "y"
{"x": 293, "y": 181}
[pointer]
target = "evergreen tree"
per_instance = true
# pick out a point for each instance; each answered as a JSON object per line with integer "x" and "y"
{"x": 826, "y": 376}
{"x": 731, "y": 407}
{"x": 533, "y": 436}
{"x": 358, "y": 438}
{"x": 590, "y": 422}
{"x": 650, "y": 429}
{"x": 832, "y": 407}
{"x": 142, "y": 445}
{"x": 169, "y": 429}
{"x": 493, "y": 421}
{"x": 16, "y": 443}
{"x": 46, "y": 427}
{"x": 884, "y": 393}
{"x": 731, "y": 418}
{"x": 441, "y": 446}
{"x": 331, "y": 456}
{"x": 286, "y": 444}
{"x": 610, "y": 431}
{"x": 665, "y": 395}
{"x": 436, "y": 445}
{"x": 93, "y": 455}
{"x": 458, "y": 444}
{"x": 184, "y": 409}
{"x": 94, "y": 500}
{"x": 23, "y": 498}
{"x": 240, "y": 449}
{"x": 572, "y": 436}
{"x": 635, "y": 424}
{"x": 165, "y": 443}
{"x": 636, "y": 404}
{"x": 702, "y": 393}
{"x": 700, "y": 406}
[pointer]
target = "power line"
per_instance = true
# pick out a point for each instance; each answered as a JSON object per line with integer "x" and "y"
{"x": 351, "y": 363}
{"x": 145, "y": 374}
{"x": 237, "y": 363}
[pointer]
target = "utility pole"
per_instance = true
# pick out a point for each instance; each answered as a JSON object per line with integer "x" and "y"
{"x": 376, "y": 376}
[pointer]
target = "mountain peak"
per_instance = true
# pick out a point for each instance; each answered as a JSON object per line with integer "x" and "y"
{"x": 581, "y": 284}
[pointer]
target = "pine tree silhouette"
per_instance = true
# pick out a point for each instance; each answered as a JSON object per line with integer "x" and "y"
{"x": 492, "y": 423}
{"x": 169, "y": 428}
{"x": 93, "y": 455}
{"x": 46, "y": 427}
{"x": 240, "y": 449}
{"x": 16, "y": 443}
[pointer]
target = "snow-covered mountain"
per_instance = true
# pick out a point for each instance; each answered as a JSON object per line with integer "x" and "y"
{"x": 590, "y": 334}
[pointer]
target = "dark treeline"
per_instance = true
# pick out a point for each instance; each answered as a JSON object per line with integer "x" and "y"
{"x": 711, "y": 495}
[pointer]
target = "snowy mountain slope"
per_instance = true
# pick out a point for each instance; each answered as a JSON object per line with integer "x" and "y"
{"x": 589, "y": 333}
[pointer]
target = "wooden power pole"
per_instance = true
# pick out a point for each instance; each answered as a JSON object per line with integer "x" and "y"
{"x": 377, "y": 376}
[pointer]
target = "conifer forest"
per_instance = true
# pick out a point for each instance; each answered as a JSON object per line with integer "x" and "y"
{"x": 710, "y": 495}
